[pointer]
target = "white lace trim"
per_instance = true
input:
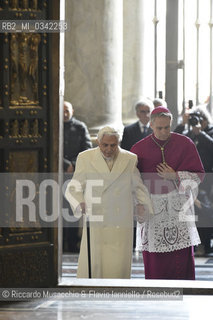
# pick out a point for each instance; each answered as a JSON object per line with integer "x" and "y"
{"x": 172, "y": 227}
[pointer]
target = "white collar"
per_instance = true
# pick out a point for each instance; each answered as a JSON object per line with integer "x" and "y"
{"x": 108, "y": 159}
{"x": 143, "y": 125}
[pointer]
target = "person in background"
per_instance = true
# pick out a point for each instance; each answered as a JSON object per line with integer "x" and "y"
{"x": 140, "y": 129}
{"x": 181, "y": 127}
{"x": 171, "y": 169}
{"x": 197, "y": 124}
{"x": 117, "y": 187}
{"x": 132, "y": 134}
{"x": 76, "y": 139}
{"x": 205, "y": 120}
{"x": 158, "y": 102}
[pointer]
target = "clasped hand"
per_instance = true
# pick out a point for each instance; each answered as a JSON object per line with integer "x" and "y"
{"x": 140, "y": 213}
{"x": 165, "y": 171}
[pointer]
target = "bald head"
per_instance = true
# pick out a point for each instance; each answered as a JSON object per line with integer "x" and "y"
{"x": 68, "y": 111}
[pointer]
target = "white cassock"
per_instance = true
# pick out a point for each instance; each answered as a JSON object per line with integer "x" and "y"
{"x": 111, "y": 239}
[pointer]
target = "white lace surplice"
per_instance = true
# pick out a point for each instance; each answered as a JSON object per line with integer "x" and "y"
{"x": 172, "y": 227}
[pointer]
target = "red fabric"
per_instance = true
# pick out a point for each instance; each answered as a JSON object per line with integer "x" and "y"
{"x": 177, "y": 265}
{"x": 180, "y": 154}
{"x": 160, "y": 109}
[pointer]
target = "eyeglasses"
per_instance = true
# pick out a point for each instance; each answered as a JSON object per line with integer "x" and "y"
{"x": 144, "y": 111}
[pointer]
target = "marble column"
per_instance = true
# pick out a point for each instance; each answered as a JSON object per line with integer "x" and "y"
{"x": 138, "y": 59}
{"x": 94, "y": 61}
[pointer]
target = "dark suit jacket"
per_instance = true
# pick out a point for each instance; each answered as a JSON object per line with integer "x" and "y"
{"x": 133, "y": 134}
{"x": 76, "y": 139}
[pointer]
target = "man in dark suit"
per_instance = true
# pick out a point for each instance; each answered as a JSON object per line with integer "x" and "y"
{"x": 135, "y": 132}
{"x": 140, "y": 129}
{"x": 76, "y": 140}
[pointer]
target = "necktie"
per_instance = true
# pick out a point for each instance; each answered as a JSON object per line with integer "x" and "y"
{"x": 145, "y": 129}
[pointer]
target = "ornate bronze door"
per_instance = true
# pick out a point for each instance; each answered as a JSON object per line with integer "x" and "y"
{"x": 29, "y": 103}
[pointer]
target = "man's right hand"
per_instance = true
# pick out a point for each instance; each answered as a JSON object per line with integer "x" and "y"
{"x": 140, "y": 212}
{"x": 196, "y": 129}
{"x": 185, "y": 117}
{"x": 81, "y": 208}
{"x": 70, "y": 169}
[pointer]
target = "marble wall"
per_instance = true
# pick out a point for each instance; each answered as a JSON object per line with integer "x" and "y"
{"x": 108, "y": 59}
{"x": 93, "y": 60}
{"x": 138, "y": 55}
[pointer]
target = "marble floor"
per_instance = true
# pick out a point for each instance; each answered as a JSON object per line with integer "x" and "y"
{"x": 203, "y": 267}
{"x": 190, "y": 308}
{"x": 101, "y": 303}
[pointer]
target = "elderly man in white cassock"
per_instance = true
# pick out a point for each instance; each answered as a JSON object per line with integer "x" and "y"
{"x": 107, "y": 186}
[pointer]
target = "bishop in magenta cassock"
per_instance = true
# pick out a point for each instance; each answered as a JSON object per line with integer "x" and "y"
{"x": 172, "y": 170}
